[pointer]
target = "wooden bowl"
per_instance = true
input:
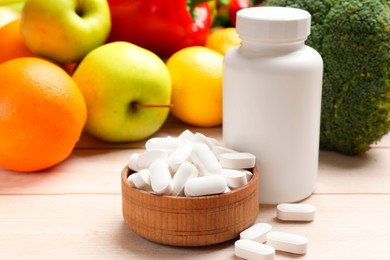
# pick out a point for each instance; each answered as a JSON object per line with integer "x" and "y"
{"x": 194, "y": 221}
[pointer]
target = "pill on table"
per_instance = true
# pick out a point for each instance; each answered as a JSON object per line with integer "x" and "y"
{"x": 204, "y": 158}
{"x": 160, "y": 177}
{"x": 287, "y": 242}
{"x": 201, "y": 138}
{"x": 179, "y": 156}
{"x": 295, "y": 212}
{"x": 186, "y": 135}
{"x": 145, "y": 159}
{"x": 237, "y": 160}
{"x": 218, "y": 150}
{"x": 167, "y": 144}
{"x": 235, "y": 178}
{"x": 257, "y": 232}
{"x": 141, "y": 180}
{"x": 205, "y": 185}
{"x": 249, "y": 249}
{"x": 185, "y": 172}
{"x": 133, "y": 162}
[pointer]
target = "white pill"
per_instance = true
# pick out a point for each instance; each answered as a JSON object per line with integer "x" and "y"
{"x": 249, "y": 249}
{"x": 257, "y": 232}
{"x": 167, "y": 144}
{"x": 227, "y": 189}
{"x": 185, "y": 172}
{"x": 187, "y": 135}
{"x": 204, "y": 158}
{"x": 179, "y": 156}
{"x": 133, "y": 162}
{"x": 295, "y": 212}
{"x": 145, "y": 159}
{"x": 205, "y": 185}
{"x": 201, "y": 138}
{"x": 218, "y": 150}
{"x": 141, "y": 180}
{"x": 214, "y": 141}
{"x": 248, "y": 175}
{"x": 130, "y": 179}
{"x": 160, "y": 178}
{"x": 237, "y": 160}
{"x": 235, "y": 178}
{"x": 287, "y": 242}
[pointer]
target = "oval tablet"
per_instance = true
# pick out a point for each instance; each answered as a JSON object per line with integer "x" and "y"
{"x": 295, "y": 212}
{"x": 237, "y": 160}
{"x": 257, "y": 232}
{"x": 145, "y": 159}
{"x": 287, "y": 242}
{"x": 204, "y": 158}
{"x": 249, "y": 249}
{"x": 205, "y": 185}
{"x": 179, "y": 156}
{"x": 160, "y": 177}
{"x": 218, "y": 150}
{"x": 167, "y": 144}
{"x": 185, "y": 172}
{"x": 141, "y": 180}
{"x": 133, "y": 162}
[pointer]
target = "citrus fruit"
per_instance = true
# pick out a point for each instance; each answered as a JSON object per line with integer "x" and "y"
{"x": 11, "y": 43}
{"x": 196, "y": 74}
{"x": 42, "y": 114}
{"x": 223, "y": 40}
{"x": 7, "y": 15}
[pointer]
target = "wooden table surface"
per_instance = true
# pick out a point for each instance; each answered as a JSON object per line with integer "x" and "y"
{"x": 73, "y": 210}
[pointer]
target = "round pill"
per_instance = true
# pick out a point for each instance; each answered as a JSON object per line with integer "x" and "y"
{"x": 160, "y": 177}
{"x": 249, "y": 249}
{"x": 257, "y": 232}
{"x": 205, "y": 185}
{"x": 287, "y": 242}
{"x": 237, "y": 160}
{"x": 235, "y": 178}
{"x": 295, "y": 212}
{"x": 218, "y": 150}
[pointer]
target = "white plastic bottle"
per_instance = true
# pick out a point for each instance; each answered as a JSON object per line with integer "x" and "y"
{"x": 272, "y": 87}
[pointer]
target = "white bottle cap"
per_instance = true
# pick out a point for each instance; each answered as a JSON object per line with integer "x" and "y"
{"x": 273, "y": 24}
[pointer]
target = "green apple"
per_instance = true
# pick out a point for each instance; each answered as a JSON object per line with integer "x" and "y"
{"x": 127, "y": 90}
{"x": 65, "y": 30}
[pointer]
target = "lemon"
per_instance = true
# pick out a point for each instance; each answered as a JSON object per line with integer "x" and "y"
{"x": 223, "y": 40}
{"x": 196, "y": 74}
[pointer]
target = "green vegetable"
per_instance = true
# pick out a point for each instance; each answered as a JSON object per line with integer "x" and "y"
{"x": 353, "y": 37}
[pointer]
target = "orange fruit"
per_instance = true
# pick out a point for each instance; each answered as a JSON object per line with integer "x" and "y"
{"x": 223, "y": 40}
{"x": 11, "y": 43}
{"x": 196, "y": 74}
{"x": 42, "y": 114}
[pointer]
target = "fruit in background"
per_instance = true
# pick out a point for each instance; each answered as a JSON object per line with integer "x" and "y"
{"x": 65, "y": 30}
{"x": 162, "y": 27}
{"x": 124, "y": 87}
{"x": 11, "y": 43}
{"x": 41, "y": 117}
{"x": 196, "y": 74}
{"x": 7, "y": 15}
{"x": 223, "y": 40}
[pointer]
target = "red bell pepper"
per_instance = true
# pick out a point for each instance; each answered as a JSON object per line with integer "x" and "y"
{"x": 161, "y": 26}
{"x": 236, "y": 5}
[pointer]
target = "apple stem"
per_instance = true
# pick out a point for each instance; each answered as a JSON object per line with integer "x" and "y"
{"x": 138, "y": 105}
{"x": 78, "y": 8}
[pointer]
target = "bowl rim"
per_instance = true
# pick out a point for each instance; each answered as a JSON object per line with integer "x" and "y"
{"x": 127, "y": 171}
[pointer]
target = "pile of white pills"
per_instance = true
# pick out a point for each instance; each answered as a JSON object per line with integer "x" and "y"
{"x": 260, "y": 242}
{"x": 189, "y": 165}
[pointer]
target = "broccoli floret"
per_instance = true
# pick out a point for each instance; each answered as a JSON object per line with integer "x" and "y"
{"x": 353, "y": 38}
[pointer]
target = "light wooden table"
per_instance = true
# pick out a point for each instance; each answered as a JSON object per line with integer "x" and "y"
{"x": 73, "y": 210}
